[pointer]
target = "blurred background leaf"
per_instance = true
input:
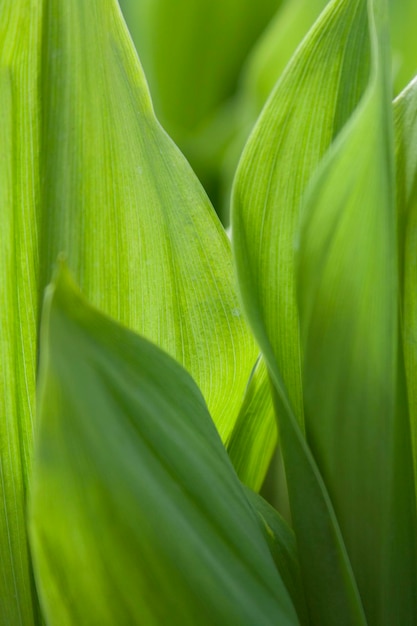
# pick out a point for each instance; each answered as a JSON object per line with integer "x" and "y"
{"x": 405, "y": 115}
{"x": 137, "y": 515}
{"x": 192, "y": 52}
{"x": 246, "y": 45}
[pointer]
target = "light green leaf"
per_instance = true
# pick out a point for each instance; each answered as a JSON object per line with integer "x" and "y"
{"x": 405, "y": 115}
{"x": 19, "y": 195}
{"x": 254, "y": 436}
{"x": 123, "y": 204}
{"x": 137, "y": 516}
{"x": 356, "y": 414}
{"x": 311, "y": 103}
{"x": 307, "y": 109}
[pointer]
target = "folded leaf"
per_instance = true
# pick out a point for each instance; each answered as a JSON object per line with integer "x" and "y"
{"x": 123, "y": 204}
{"x": 405, "y": 113}
{"x": 254, "y": 436}
{"x": 137, "y": 516}
{"x": 310, "y": 105}
{"x": 356, "y": 414}
{"x": 307, "y": 109}
{"x": 19, "y": 195}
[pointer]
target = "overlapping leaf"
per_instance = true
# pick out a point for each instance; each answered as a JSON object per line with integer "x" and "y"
{"x": 307, "y": 109}
{"x": 19, "y": 196}
{"x": 404, "y": 44}
{"x": 357, "y": 422}
{"x": 310, "y": 105}
{"x": 137, "y": 515}
{"x": 86, "y": 170}
{"x": 278, "y": 43}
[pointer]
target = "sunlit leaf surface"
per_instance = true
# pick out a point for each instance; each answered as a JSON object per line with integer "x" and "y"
{"x": 19, "y": 197}
{"x": 86, "y": 170}
{"x": 252, "y": 442}
{"x": 123, "y": 204}
{"x": 137, "y": 515}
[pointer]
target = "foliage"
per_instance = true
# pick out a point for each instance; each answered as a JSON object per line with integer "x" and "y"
{"x": 138, "y": 408}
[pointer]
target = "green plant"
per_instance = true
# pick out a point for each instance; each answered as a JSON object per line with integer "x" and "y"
{"x": 137, "y": 424}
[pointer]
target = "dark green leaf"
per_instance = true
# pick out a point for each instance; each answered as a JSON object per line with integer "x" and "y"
{"x": 137, "y": 516}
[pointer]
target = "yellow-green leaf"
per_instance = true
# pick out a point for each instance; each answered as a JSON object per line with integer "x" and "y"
{"x": 310, "y": 105}
{"x": 123, "y": 204}
{"x": 19, "y": 196}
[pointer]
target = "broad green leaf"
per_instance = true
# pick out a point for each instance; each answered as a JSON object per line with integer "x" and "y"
{"x": 356, "y": 413}
{"x": 405, "y": 115}
{"x": 311, "y": 103}
{"x": 254, "y": 437}
{"x": 281, "y": 541}
{"x": 19, "y": 63}
{"x": 137, "y": 516}
{"x": 123, "y": 204}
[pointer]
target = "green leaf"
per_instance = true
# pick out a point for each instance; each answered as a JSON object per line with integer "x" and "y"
{"x": 254, "y": 436}
{"x": 19, "y": 195}
{"x": 404, "y": 44}
{"x": 193, "y": 52}
{"x": 356, "y": 413}
{"x": 281, "y": 541}
{"x": 121, "y": 201}
{"x": 136, "y": 513}
{"x": 275, "y": 48}
{"x": 310, "y": 105}
{"x": 405, "y": 116}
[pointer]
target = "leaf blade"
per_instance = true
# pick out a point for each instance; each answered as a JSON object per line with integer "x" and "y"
{"x": 357, "y": 423}
{"x": 19, "y": 196}
{"x": 168, "y": 516}
{"x": 138, "y": 231}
